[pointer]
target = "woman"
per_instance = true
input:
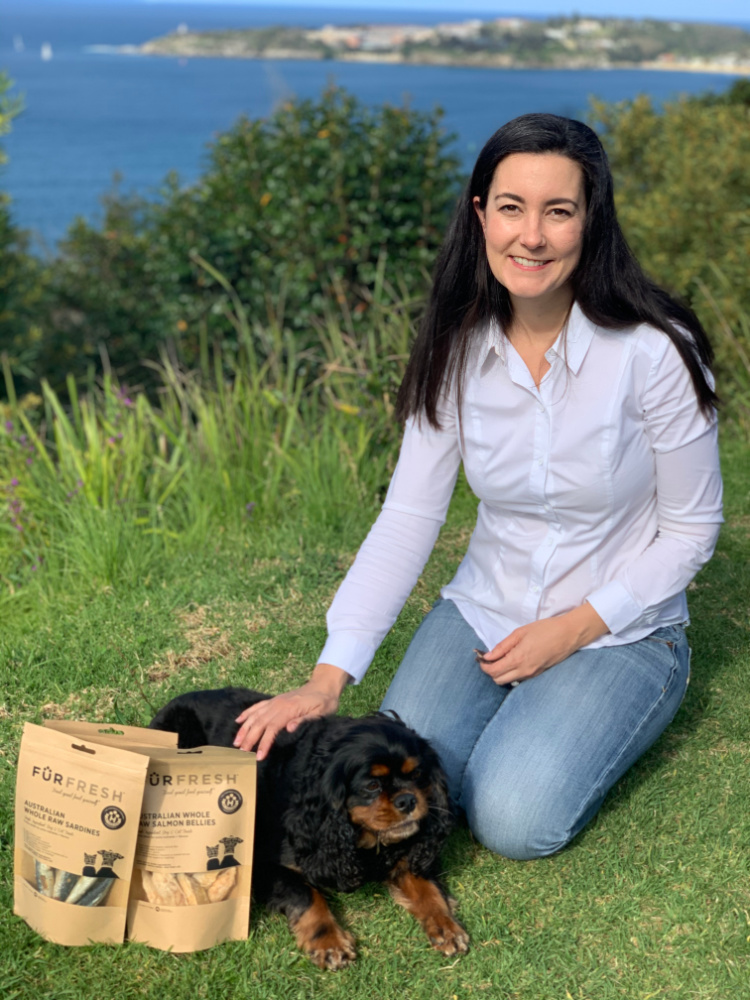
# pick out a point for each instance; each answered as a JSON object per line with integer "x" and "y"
{"x": 576, "y": 394}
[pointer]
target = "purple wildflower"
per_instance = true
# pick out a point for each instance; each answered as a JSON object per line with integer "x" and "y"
{"x": 249, "y": 508}
{"x": 9, "y": 426}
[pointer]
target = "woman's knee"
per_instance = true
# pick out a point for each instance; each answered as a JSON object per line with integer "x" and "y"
{"x": 519, "y": 838}
{"x": 524, "y": 822}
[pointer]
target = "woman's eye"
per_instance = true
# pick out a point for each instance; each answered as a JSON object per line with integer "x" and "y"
{"x": 509, "y": 209}
{"x": 561, "y": 213}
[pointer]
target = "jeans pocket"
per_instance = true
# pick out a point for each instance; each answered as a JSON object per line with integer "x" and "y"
{"x": 662, "y": 639}
{"x": 668, "y": 635}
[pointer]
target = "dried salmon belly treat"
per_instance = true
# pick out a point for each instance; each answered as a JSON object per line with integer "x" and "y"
{"x": 194, "y": 893}
{"x": 222, "y": 885}
{"x": 167, "y": 889}
{"x": 188, "y": 888}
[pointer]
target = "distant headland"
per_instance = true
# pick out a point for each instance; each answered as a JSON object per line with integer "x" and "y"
{"x": 502, "y": 43}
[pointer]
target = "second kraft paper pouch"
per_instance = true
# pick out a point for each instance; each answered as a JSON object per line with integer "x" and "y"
{"x": 193, "y": 865}
{"x": 78, "y": 806}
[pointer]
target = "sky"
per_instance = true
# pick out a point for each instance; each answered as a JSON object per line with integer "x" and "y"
{"x": 734, "y": 11}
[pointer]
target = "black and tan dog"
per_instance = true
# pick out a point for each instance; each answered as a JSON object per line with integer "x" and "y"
{"x": 341, "y": 802}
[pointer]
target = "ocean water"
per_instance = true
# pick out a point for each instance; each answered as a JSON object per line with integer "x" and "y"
{"x": 91, "y": 115}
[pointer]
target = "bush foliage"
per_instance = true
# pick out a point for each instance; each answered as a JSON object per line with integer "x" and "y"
{"x": 683, "y": 197}
{"x": 328, "y": 215}
{"x": 295, "y": 211}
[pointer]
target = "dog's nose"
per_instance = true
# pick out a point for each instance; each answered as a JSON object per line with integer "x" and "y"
{"x": 405, "y": 802}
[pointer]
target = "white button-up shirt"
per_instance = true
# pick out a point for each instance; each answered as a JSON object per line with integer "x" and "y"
{"x": 602, "y": 484}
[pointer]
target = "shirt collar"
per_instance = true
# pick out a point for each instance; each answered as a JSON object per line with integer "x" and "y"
{"x": 572, "y": 344}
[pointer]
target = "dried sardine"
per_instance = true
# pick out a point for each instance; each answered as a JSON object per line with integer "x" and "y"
{"x": 64, "y": 882}
{"x": 97, "y": 893}
{"x": 45, "y": 878}
{"x": 84, "y": 884}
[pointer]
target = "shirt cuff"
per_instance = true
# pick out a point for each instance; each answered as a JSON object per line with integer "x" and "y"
{"x": 615, "y": 606}
{"x": 346, "y": 651}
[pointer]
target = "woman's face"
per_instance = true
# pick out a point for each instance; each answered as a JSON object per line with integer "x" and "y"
{"x": 533, "y": 225}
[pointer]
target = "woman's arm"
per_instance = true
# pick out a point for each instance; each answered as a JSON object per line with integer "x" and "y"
{"x": 688, "y": 497}
{"x": 262, "y": 722}
{"x": 382, "y": 576}
{"x": 535, "y": 647}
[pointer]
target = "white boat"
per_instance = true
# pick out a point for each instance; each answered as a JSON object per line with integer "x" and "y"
{"x": 18, "y": 43}
{"x": 46, "y": 52}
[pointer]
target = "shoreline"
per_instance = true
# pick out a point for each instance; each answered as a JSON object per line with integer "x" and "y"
{"x": 393, "y": 58}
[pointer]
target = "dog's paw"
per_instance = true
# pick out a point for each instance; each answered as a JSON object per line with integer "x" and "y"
{"x": 333, "y": 948}
{"x": 447, "y": 936}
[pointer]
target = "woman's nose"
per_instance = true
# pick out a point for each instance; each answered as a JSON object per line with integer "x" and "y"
{"x": 532, "y": 232}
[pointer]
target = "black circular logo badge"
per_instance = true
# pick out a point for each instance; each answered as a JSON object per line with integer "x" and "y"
{"x": 230, "y": 801}
{"x": 113, "y": 817}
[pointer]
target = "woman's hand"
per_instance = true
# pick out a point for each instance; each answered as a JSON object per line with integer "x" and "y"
{"x": 260, "y": 723}
{"x": 532, "y": 648}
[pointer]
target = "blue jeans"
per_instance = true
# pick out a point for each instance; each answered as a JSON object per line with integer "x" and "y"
{"x": 531, "y": 764}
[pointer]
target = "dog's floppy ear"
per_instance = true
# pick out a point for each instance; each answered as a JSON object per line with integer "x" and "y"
{"x": 316, "y": 819}
{"x": 435, "y": 827}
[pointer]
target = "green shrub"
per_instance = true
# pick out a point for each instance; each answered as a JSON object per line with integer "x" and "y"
{"x": 683, "y": 197}
{"x": 296, "y": 211}
{"x": 22, "y": 291}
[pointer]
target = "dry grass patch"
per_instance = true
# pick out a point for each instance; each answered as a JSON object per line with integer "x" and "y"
{"x": 207, "y": 639}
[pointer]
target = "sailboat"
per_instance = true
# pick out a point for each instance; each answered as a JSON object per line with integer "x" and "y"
{"x": 46, "y": 51}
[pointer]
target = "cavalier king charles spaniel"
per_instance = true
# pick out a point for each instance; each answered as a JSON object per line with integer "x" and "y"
{"x": 341, "y": 802}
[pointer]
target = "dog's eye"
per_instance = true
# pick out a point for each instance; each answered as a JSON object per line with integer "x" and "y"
{"x": 372, "y": 786}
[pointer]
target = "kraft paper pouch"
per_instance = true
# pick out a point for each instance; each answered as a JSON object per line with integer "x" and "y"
{"x": 193, "y": 865}
{"x": 78, "y": 805}
{"x": 125, "y": 737}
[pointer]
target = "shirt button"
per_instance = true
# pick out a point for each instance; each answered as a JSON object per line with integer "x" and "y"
{"x": 535, "y": 589}
{"x": 540, "y": 461}
{"x": 547, "y": 507}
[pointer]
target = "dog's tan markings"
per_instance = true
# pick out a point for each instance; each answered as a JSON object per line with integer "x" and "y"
{"x": 379, "y": 770}
{"x": 367, "y": 840}
{"x": 409, "y": 765}
{"x": 321, "y": 938}
{"x": 387, "y": 823}
{"x": 424, "y": 900}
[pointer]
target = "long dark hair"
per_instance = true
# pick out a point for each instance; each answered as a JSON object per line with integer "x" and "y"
{"x": 608, "y": 282}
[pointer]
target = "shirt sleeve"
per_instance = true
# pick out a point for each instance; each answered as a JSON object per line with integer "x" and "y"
{"x": 395, "y": 551}
{"x": 688, "y": 499}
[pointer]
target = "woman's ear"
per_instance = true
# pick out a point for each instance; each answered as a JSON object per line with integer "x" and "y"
{"x": 481, "y": 215}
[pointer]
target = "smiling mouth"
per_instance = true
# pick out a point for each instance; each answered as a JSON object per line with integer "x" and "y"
{"x": 529, "y": 262}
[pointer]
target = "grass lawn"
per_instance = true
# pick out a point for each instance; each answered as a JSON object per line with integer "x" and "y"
{"x": 652, "y": 900}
